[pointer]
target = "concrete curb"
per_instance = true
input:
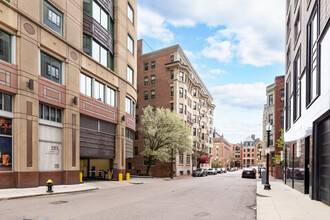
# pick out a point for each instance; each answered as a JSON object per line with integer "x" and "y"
{"x": 258, "y": 190}
{"x": 47, "y": 194}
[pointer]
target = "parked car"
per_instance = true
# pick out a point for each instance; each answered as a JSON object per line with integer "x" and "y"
{"x": 199, "y": 172}
{"x": 249, "y": 172}
{"x": 224, "y": 170}
{"x": 211, "y": 171}
{"x": 219, "y": 170}
{"x": 232, "y": 169}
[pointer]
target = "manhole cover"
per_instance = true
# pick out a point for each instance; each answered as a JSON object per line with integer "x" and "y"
{"x": 58, "y": 202}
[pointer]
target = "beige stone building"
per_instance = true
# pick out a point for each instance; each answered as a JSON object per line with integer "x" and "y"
{"x": 167, "y": 79}
{"x": 67, "y": 89}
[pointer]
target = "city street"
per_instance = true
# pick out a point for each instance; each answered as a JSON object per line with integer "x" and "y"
{"x": 224, "y": 196}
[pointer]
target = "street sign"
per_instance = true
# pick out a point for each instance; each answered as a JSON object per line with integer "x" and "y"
{"x": 267, "y": 150}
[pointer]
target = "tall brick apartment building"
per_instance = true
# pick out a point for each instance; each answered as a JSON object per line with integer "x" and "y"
{"x": 274, "y": 114}
{"x": 167, "y": 79}
{"x": 67, "y": 89}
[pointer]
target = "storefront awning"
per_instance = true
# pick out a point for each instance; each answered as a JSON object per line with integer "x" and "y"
{"x": 204, "y": 159}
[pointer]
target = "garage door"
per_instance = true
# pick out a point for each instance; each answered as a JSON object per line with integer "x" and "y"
{"x": 324, "y": 161}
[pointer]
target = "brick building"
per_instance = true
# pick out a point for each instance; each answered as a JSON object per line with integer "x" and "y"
{"x": 274, "y": 114}
{"x": 167, "y": 79}
{"x": 221, "y": 150}
{"x": 67, "y": 90}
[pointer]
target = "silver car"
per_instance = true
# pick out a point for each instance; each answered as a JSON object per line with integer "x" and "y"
{"x": 211, "y": 171}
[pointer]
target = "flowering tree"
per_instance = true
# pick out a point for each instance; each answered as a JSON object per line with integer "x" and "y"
{"x": 163, "y": 130}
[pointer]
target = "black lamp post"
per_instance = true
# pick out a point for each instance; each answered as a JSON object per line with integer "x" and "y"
{"x": 172, "y": 163}
{"x": 268, "y": 129}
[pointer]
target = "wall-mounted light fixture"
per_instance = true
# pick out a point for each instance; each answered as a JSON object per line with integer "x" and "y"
{"x": 30, "y": 84}
{"x": 75, "y": 100}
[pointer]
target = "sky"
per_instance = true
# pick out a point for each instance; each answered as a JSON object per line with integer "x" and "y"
{"x": 236, "y": 46}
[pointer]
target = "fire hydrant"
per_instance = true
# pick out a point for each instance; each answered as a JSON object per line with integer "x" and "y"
{"x": 50, "y": 186}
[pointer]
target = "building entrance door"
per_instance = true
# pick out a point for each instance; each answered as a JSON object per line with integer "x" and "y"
{"x": 324, "y": 160}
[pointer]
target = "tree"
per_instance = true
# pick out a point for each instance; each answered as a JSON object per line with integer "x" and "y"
{"x": 280, "y": 144}
{"x": 163, "y": 131}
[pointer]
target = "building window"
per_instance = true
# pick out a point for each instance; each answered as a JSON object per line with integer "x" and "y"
{"x": 288, "y": 58}
{"x": 130, "y": 106}
{"x": 194, "y": 118}
{"x": 172, "y": 58}
{"x": 270, "y": 100}
{"x": 271, "y": 142}
{"x": 313, "y": 78}
{"x": 136, "y": 135}
{"x": 252, "y": 151}
{"x": 146, "y": 80}
{"x": 194, "y": 105}
{"x": 248, "y": 150}
{"x": 172, "y": 106}
{"x": 111, "y": 97}
{"x": 50, "y": 113}
{"x": 194, "y": 131}
{"x": 85, "y": 85}
{"x": 180, "y": 108}
{"x": 51, "y": 68}
{"x": 297, "y": 27}
{"x": 130, "y": 13}
{"x": 202, "y": 124}
{"x": 130, "y": 44}
{"x": 153, "y": 94}
{"x": 100, "y": 15}
{"x": 288, "y": 27}
{"x": 130, "y": 75}
{"x": 95, "y": 50}
{"x": 203, "y": 113}
{"x": 98, "y": 91}
{"x": 271, "y": 119}
{"x": 203, "y": 136}
{"x": 203, "y": 102}
{"x": 282, "y": 95}
{"x": 188, "y": 159}
{"x": 152, "y": 79}
{"x": 181, "y": 92}
{"x": 172, "y": 74}
{"x": 296, "y": 87}
{"x": 180, "y": 159}
{"x": 288, "y": 104}
{"x": 6, "y": 101}
{"x": 172, "y": 91}
{"x": 181, "y": 76}
{"x": 282, "y": 118}
{"x": 146, "y": 66}
{"x": 153, "y": 64}
{"x": 52, "y": 18}
{"x": 194, "y": 92}
{"x": 248, "y": 155}
{"x": 136, "y": 151}
{"x": 146, "y": 95}
{"x": 5, "y": 47}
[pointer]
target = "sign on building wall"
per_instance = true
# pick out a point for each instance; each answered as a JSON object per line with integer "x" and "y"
{"x": 50, "y": 156}
{"x": 50, "y": 148}
{"x": 5, "y": 144}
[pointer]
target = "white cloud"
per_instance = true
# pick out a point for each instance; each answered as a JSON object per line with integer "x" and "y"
{"x": 253, "y": 29}
{"x": 218, "y": 71}
{"x": 238, "y": 111}
{"x": 191, "y": 55}
{"x": 153, "y": 25}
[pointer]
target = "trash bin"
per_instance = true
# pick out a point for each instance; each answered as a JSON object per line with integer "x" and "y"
{"x": 263, "y": 176}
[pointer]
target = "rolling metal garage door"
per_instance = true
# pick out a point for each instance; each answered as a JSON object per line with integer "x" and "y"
{"x": 324, "y": 161}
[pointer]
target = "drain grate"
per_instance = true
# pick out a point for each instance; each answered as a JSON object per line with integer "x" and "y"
{"x": 58, "y": 202}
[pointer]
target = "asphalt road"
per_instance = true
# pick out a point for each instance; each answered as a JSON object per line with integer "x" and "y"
{"x": 224, "y": 196}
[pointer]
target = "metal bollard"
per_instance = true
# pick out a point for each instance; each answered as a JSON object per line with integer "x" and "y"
{"x": 50, "y": 186}
{"x": 80, "y": 177}
{"x": 128, "y": 176}
{"x": 109, "y": 175}
{"x": 120, "y": 177}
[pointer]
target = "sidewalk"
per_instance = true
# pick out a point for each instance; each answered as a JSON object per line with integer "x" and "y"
{"x": 15, "y": 193}
{"x": 283, "y": 202}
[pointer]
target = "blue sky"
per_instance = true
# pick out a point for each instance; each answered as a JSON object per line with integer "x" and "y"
{"x": 236, "y": 46}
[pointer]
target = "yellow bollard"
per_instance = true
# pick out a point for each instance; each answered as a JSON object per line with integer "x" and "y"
{"x": 81, "y": 177}
{"x": 109, "y": 175}
{"x": 120, "y": 177}
{"x": 128, "y": 176}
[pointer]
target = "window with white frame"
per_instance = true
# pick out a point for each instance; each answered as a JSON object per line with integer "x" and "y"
{"x": 181, "y": 92}
{"x": 85, "y": 85}
{"x": 98, "y": 91}
{"x": 181, "y": 76}
{"x": 111, "y": 97}
{"x": 130, "y": 75}
{"x": 194, "y": 118}
{"x": 152, "y": 79}
{"x": 50, "y": 68}
{"x": 194, "y": 92}
{"x": 5, "y": 46}
{"x": 152, "y": 94}
{"x": 130, "y": 13}
{"x": 130, "y": 106}
{"x": 130, "y": 44}
{"x": 194, "y": 105}
{"x": 296, "y": 86}
{"x": 180, "y": 108}
{"x": 52, "y": 18}
{"x": 146, "y": 80}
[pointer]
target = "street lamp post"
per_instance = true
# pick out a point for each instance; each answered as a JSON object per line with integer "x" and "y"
{"x": 172, "y": 163}
{"x": 268, "y": 129}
